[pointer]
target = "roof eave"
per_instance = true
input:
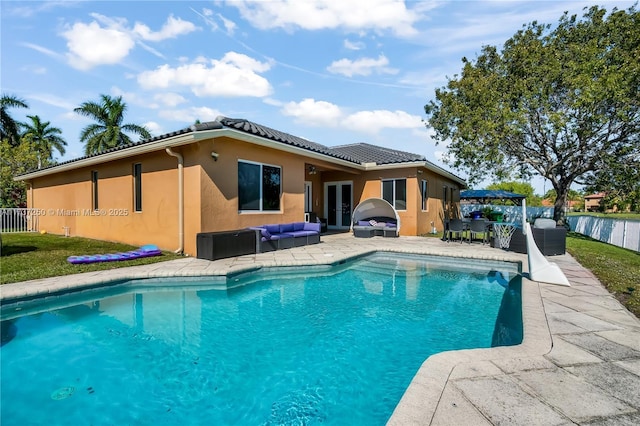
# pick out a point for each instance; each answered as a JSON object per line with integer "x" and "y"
{"x": 425, "y": 164}
{"x": 184, "y": 140}
{"x": 280, "y": 146}
{"x": 111, "y": 156}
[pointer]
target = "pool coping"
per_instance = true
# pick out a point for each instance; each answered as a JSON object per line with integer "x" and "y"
{"x": 421, "y": 399}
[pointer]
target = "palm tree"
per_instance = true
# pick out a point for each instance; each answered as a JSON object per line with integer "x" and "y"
{"x": 8, "y": 126}
{"x": 108, "y": 132}
{"x": 44, "y": 138}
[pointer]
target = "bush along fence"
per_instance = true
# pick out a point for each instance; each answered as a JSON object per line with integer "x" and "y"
{"x": 619, "y": 232}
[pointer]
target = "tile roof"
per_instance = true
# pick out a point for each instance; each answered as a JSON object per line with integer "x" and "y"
{"x": 367, "y": 153}
{"x": 355, "y": 153}
{"x": 278, "y": 136}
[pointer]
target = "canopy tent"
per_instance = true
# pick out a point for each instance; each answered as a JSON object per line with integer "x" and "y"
{"x": 375, "y": 208}
{"x": 485, "y": 196}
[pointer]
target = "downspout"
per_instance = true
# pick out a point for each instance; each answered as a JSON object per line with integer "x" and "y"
{"x": 180, "y": 198}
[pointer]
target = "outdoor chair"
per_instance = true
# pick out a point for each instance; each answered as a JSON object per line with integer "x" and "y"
{"x": 479, "y": 226}
{"x": 456, "y": 227}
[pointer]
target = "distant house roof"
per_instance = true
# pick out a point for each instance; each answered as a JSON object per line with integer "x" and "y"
{"x": 483, "y": 196}
{"x": 595, "y": 196}
{"x": 360, "y": 154}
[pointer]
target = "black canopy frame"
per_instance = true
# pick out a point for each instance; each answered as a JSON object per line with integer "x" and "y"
{"x": 485, "y": 196}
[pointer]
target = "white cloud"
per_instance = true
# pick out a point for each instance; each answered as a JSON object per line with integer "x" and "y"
{"x": 53, "y": 100}
{"x": 353, "y": 45}
{"x": 373, "y": 121}
{"x": 325, "y": 114}
{"x": 34, "y": 69}
{"x": 352, "y": 15}
{"x": 363, "y": 66}
{"x": 190, "y": 115}
{"x": 171, "y": 29}
{"x": 107, "y": 40}
{"x": 91, "y": 45}
{"x": 154, "y": 128}
{"x": 229, "y": 25}
{"x": 169, "y": 99}
{"x": 314, "y": 113}
{"x": 28, "y": 9}
{"x": 132, "y": 98}
{"x": 234, "y": 75}
{"x": 43, "y": 50}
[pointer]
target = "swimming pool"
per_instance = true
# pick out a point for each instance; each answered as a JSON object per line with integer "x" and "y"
{"x": 283, "y": 346}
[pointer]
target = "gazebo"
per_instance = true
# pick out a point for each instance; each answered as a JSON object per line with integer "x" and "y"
{"x": 485, "y": 196}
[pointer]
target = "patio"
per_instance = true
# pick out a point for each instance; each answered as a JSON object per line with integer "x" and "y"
{"x": 579, "y": 361}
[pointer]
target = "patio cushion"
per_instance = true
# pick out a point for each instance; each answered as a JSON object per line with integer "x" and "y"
{"x": 273, "y": 228}
{"x": 286, "y": 227}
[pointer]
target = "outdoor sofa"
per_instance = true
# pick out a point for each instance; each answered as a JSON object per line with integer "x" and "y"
{"x": 286, "y": 235}
{"x": 376, "y": 226}
{"x": 375, "y": 217}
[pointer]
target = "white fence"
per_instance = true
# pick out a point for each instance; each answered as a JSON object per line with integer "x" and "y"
{"x": 19, "y": 220}
{"x": 619, "y": 232}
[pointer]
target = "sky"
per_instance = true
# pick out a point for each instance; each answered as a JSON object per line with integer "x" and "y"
{"x": 334, "y": 72}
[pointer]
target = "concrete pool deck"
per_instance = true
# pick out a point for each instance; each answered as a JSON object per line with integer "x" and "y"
{"x": 579, "y": 362}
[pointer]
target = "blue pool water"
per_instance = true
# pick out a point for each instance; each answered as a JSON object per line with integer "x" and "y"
{"x": 305, "y": 346}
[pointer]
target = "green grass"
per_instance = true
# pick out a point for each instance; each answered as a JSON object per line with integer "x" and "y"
{"x": 29, "y": 256}
{"x": 617, "y": 269}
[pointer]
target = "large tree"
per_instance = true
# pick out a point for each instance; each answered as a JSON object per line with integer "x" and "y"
{"x": 14, "y": 161}
{"x": 44, "y": 138}
{"x": 9, "y": 128}
{"x": 108, "y": 131}
{"x": 557, "y": 102}
{"x": 523, "y": 188}
{"x": 619, "y": 180}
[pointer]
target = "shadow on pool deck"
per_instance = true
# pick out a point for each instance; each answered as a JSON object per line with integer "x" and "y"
{"x": 579, "y": 362}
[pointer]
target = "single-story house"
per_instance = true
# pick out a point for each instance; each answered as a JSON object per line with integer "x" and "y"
{"x": 232, "y": 174}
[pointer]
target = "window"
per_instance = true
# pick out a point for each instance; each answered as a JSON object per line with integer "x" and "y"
{"x": 424, "y": 194}
{"x": 94, "y": 189}
{"x": 137, "y": 187}
{"x": 395, "y": 192}
{"x": 258, "y": 187}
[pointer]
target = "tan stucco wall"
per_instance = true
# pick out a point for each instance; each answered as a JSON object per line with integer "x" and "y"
{"x": 66, "y": 199}
{"x": 210, "y": 194}
{"x": 219, "y": 180}
{"x": 414, "y": 221}
{"x": 210, "y": 189}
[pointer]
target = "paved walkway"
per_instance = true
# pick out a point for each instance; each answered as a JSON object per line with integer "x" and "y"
{"x": 579, "y": 362}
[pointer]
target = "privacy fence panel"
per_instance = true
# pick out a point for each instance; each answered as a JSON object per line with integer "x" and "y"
{"x": 619, "y": 232}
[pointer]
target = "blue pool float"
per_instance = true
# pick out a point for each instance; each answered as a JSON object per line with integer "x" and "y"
{"x": 147, "y": 250}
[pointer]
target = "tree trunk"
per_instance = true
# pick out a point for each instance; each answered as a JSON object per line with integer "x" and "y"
{"x": 559, "y": 204}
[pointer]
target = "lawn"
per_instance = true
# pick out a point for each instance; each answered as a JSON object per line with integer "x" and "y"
{"x": 617, "y": 269}
{"x": 29, "y": 256}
